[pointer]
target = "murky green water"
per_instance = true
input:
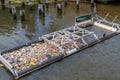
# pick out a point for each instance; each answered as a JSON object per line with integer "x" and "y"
{"x": 100, "y": 62}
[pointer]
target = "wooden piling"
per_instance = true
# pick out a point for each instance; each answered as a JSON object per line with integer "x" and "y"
{"x": 14, "y": 12}
{"x": 92, "y": 3}
{"x": 3, "y": 4}
{"x": 65, "y": 2}
{"x": 77, "y": 4}
{"x": 22, "y": 15}
{"x": 9, "y": 3}
{"x": 41, "y": 9}
{"x": 47, "y": 4}
{"x": 31, "y": 4}
{"x": 23, "y": 3}
{"x": 59, "y": 8}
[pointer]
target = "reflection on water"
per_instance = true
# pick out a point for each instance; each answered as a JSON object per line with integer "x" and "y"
{"x": 92, "y": 66}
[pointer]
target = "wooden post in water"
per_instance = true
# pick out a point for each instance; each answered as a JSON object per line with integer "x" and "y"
{"x": 59, "y": 8}
{"x": 65, "y": 2}
{"x": 47, "y": 3}
{"x": 31, "y": 4}
{"x": 9, "y": 3}
{"x": 23, "y": 3}
{"x": 3, "y": 4}
{"x": 77, "y": 3}
{"x": 92, "y": 3}
{"x": 10, "y": 6}
{"x": 14, "y": 12}
{"x": 22, "y": 15}
{"x": 41, "y": 9}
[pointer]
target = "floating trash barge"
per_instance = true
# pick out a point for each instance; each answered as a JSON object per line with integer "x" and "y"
{"x": 54, "y": 46}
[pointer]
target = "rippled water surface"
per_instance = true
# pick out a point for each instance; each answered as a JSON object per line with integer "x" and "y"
{"x": 100, "y": 62}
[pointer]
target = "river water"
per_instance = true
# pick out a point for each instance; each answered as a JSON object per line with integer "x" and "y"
{"x": 100, "y": 62}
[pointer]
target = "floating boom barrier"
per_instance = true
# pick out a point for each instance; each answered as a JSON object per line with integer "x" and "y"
{"x": 54, "y": 46}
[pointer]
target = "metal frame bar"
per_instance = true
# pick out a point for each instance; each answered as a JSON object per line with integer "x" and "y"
{"x": 8, "y": 65}
{"x": 113, "y": 25}
{"x": 83, "y": 32}
{"x": 70, "y": 36}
